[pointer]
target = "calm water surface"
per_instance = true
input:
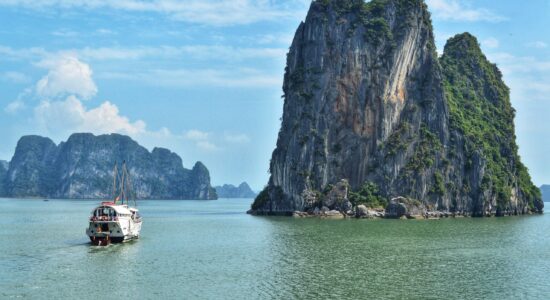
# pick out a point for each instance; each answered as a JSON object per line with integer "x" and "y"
{"x": 213, "y": 250}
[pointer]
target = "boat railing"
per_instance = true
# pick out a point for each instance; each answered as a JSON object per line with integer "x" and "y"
{"x": 103, "y": 218}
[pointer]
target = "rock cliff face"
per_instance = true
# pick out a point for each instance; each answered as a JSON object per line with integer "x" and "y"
{"x": 231, "y": 191}
{"x": 368, "y": 100}
{"x": 82, "y": 167}
{"x": 486, "y": 175}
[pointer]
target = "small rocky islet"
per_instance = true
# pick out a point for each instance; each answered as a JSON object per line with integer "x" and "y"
{"x": 243, "y": 190}
{"x": 545, "y": 190}
{"x": 376, "y": 124}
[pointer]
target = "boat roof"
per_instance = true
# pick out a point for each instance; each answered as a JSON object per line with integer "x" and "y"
{"x": 119, "y": 208}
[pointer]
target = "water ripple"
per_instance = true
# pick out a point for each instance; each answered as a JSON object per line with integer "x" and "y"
{"x": 212, "y": 250}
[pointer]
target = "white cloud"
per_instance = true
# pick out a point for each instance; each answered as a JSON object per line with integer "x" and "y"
{"x": 206, "y": 145}
{"x": 209, "y": 141}
{"x": 538, "y": 45}
{"x": 209, "y": 12}
{"x": 71, "y": 115}
{"x": 528, "y": 77}
{"x": 225, "y": 75}
{"x": 64, "y": 33}
{"x": 201, "y": 139}
{"x": 15, "y": 77}
{"x": 14, "y": 107}
{"x": 163, "y": 132}
{"x": 22, "y": 54}
{"x": 208, "y": 77}
{"x": 511, "y": 64}
{"x": 61, "y": 111}
{"x": 66, "y": 76}
{"x": 281, "y": 38}
{"x": 196, "y": 135}
{"x": 490, "y": 43}
{"x": 239, "y": 138}
{"x": 204, "y": 52}
{"x": 453, "y": 10}
{"x": 104, "y": 31}
{"x": 182, "y": 78}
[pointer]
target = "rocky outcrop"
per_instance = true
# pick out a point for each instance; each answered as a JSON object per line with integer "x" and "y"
{"x": 82, "y": 167}
{"x": 402, "y": 207}
{"x": 199, "y": 183}
{"x": 337, "y": 197}
{"x": 368, "y": 100}
{"x": 364, "y": 212}
{"x": 231, "y": 191}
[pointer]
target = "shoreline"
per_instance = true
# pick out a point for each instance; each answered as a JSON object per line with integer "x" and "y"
{"x": 397, "y": 208}
{"x": 380, "y": 214}
{"x": 104, "y": 199}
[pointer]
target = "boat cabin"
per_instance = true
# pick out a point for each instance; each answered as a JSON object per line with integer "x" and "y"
{"x": 110, "y": 212}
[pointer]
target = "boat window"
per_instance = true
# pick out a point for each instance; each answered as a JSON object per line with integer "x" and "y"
{"x": 105, "y": 212}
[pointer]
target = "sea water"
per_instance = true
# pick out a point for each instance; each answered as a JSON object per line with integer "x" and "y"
{"x": 213, "y": 250}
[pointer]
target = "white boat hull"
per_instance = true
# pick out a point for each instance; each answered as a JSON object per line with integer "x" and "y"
{"x": 104, "y": 230}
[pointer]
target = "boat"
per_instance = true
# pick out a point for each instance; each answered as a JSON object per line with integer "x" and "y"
{"x": 116, "y": 221}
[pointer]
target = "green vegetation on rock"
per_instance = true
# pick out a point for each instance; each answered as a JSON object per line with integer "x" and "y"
{"x": 264, "y": 196}
{"x": 261, "y": 199}
{"x": 439, "y": 186}
{"x": 481, "y": 111}
{"x": 426, "y": 150}
{"x": 370, "y": 15}
{"x": 368, "y": 195}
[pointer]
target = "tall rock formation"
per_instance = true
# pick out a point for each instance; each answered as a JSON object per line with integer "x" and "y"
{"x": 29, "y": 172}
{"x": 486, "y": 174}
{"x": 82, "y": 167}
{"x": 368, "y": 104}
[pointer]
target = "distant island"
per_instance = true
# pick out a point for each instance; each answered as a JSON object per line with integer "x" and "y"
{"x": 4, "y": 165}
{"x": 545, "y": 190}
{"x": 81, "y": 168}
{"x": 231, "y": 191}
{"x": 374, "y": 118}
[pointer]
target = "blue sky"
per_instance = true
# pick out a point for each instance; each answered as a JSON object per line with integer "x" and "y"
{"x": 203, "y": 77}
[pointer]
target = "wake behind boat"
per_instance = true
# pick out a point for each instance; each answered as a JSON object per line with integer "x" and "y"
{"x": 116, "y": 221}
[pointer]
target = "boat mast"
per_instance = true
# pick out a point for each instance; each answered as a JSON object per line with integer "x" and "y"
{"x": 122, "y": 184}
{"x": 115, "y": 175}
{"x": 131, "y": 192}
{"x": 122, "y": 192}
